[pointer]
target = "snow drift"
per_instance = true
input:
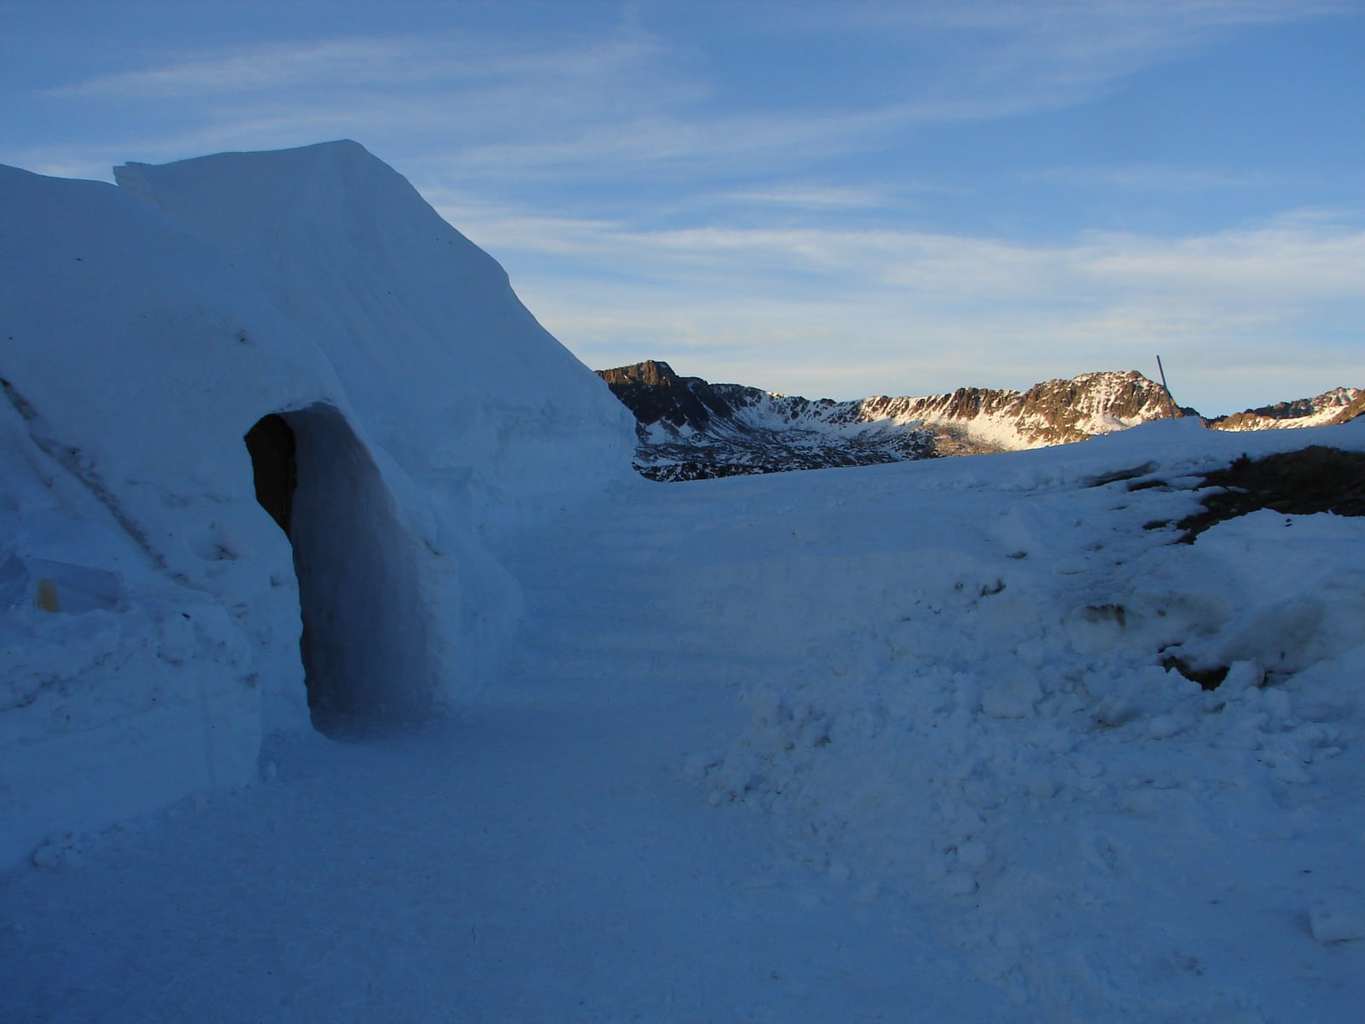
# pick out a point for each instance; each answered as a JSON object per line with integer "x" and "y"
{"x": 983, "y": 713}
{"x": 152, "y": 606}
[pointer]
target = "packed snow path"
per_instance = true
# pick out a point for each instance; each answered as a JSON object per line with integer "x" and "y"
{"x": 883, "y": 744}
{"x": 541, "y": 857}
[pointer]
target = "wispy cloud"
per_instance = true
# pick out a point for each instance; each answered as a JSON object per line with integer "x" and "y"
{"x": 1151, "y": 177}
{"x": 616, "y": 101}
{"x": 368, "y": 62}
{"x": 258, "y": 69}
{"x": 651, "y": 195}
{"x": 1044, "y": 54}
{"x": 919, "y": 311}
{"x": 1302, "y": 254}
{"x": 488, "y": 106}
{"x": 815, "y": 197}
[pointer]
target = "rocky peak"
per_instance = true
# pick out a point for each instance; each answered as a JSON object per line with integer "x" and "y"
{"x": 654, "y": 393}
{"x": 1051, "y": 412}
{"x": 649, "y": 373}
{"x": 1335, "y": 406}
{"x": 1354, "y": 408}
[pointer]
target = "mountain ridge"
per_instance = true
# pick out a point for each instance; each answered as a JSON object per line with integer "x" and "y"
{"x": 1337, "y": 405}
{"x": 689, "y": 428}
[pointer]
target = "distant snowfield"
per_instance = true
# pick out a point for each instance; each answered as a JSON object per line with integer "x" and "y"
{"x": 874, "y": 744}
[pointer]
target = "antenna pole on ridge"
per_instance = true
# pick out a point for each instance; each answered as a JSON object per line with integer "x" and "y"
{"x": 1170, "y": 402}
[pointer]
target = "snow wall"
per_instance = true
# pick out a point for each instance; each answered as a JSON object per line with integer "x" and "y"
{"x": 150, "y": 626}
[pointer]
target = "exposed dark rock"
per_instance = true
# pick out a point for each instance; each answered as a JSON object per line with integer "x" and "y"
{"x": 653, "y": 392}
{"x": 1314, "y": 479}
{"x": 1208, "y": 678}
{"x": 1132, "y": 473}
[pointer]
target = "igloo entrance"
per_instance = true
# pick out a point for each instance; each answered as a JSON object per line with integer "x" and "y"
{"x": 365, "y": 641}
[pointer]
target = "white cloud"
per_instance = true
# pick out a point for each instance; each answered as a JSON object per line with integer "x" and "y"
{"x": 617, "y": 100}
{"x": 1016, "y": 56}
{"x": 367, "y": 61}
{"x": 818, "y": 197}
{"x": 1151, "y": 177}
{"x": 258, "y": 69}
{"x": 912, "y": 311}
{"x": 1288, "y": 256}
{"x": 643, "y": 201}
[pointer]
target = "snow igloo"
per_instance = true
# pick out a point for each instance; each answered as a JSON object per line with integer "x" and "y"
{"x": 283, "y": 414}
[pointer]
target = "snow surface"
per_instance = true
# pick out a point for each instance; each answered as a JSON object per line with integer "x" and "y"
{"x": 866, "y": 744}
{"x": 978, "y": 721}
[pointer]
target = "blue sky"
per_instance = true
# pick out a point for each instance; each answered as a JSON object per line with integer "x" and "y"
{"x": 829, "y": 199}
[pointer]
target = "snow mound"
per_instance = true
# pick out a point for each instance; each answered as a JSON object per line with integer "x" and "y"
{"x": 979, "y": 714}
{"x": 152, "y": 606}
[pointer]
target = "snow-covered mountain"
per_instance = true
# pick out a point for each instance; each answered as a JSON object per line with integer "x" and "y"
{"x": 1338, "y": 405}
{"x": 690, "y": 429}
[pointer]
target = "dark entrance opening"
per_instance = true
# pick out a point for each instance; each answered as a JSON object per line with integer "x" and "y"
{"x": 271, "y": 444}
{"x": 365, "y": 636}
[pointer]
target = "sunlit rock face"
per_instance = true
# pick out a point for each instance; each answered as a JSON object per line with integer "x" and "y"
{"x": 1339, "y": 405}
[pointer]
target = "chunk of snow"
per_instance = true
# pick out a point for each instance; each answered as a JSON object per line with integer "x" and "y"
{"x": 1340, "y": 918}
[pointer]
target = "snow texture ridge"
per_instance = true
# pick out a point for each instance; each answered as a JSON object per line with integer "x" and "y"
{"x": 150, "y": 634}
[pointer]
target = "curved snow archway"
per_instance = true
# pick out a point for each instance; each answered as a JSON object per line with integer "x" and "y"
{"x": 365, "y": 642}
